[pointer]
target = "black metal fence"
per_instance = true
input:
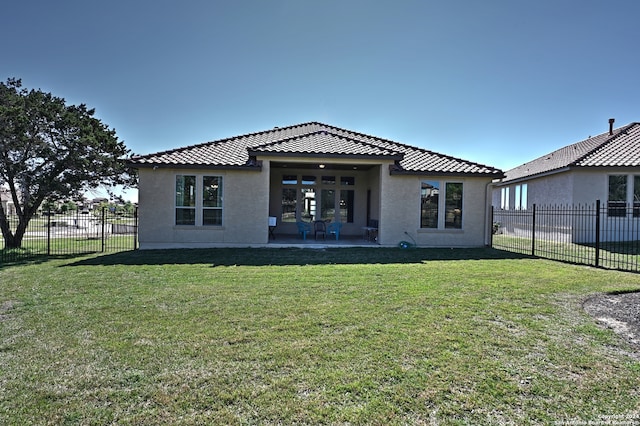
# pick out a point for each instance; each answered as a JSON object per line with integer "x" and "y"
{"x": 601, "y": 235}
{"x": 98, "y": 231}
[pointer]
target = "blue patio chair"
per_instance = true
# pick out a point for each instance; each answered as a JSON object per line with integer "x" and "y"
{"x": 303, "y": 229}
{"x": 334, "y": 228}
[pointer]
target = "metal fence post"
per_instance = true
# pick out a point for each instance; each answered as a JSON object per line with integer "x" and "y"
{"x": 135, "y": 228}
{"x": 533, "y": 232}
{"x": 597, "y": 239}
{"x": 491, "y": 226}
{"x": 103, "y": 227}
{"x": 49, "y": 232}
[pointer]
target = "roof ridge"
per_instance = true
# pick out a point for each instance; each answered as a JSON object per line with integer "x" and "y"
{"x": 320, "y": 131}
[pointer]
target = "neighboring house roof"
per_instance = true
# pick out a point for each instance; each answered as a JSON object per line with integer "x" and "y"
{"x": 311, "y": 140}
{"x": 619, "y": 149}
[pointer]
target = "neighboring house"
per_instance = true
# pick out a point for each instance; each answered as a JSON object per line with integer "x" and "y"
{"x": 222, "y": 193}
{"x": 7, "y": 202}
{"x": 605, "y": 167}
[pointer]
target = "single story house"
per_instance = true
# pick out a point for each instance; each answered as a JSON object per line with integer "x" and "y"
{"x": 605, "y": 167}
{"x": 231, "y": 192}
{"x": 6, "y": 202}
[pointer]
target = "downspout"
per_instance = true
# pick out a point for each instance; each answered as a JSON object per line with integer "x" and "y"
{"x": 488, "y": 197}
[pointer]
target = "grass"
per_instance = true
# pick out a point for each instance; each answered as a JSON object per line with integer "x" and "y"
{"x": 621, "y": 255}
{"x": 37, "y": 248}
{"x": 294, "y": 336}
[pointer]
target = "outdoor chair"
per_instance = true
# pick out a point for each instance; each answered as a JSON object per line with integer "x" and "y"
{"x": 334, "y": 228}
{"x": 320, "y": 227}
{"x": 303, "y": 229}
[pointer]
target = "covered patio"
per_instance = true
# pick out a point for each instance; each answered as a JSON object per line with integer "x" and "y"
{"x": 337, "y": 192}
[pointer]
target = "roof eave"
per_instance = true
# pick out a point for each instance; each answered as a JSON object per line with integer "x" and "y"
{"x": 154, "y": 166}
{"x": 402, "y": 172}
{"x": 392, "y": 157}
{"x": 535, "y": 176}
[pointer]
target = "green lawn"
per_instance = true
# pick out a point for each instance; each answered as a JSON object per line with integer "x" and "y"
{"x": 622, "y": 255}
{"x": 299, "y": 336}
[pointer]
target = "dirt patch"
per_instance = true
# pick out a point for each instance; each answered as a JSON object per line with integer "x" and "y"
{"x": 619, "y": 312}
{"x": 5, "y": 308}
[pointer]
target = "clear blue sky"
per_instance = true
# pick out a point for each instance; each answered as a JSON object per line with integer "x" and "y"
{"x": 499, "y": 82}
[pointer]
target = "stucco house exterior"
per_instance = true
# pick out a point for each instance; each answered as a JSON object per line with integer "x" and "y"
{"x": 227, "y": 192}
{"x": 605, "y": 167}
{"x": 7, "y": 202}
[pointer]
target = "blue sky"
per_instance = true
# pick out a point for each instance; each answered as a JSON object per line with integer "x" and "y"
{"x": 499, "y": 82}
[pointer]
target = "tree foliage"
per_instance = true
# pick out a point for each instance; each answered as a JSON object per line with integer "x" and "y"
{"x": 51, "y": 150}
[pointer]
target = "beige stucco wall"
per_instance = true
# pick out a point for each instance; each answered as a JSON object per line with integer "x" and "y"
{"x": 578, "y": 186}
{"x": 593, "y": 184}
{"x": 553, "y": 189}
{"x": 245, "y": 210}
{"x": 400, "y": 212}
{"x": 250, "y": 197}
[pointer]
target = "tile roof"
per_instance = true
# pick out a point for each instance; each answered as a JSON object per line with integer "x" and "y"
{"x": 312, "y": 140}
{"x": 621, "y": 149}
{"x": 324, "y": 143}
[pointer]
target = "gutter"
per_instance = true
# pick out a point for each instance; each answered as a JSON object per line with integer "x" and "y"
{"x": 488, "y": 206}
{"x": 253, "y": 168}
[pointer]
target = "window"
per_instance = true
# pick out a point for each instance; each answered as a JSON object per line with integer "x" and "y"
{"x": 189, "y": 202}
{"x": 521, "y": 197}
{"x": 327, "y": 204}
{"x": 185, "y": 200}
{"x": 309, "y": 180}
{"x": 347, "y": 180}
{"x": 289, "y": 179}
{"x": 317, "y": 197}
{"x": 429, "y": 193}
{"x": 212, "y": 200}
{"x": 453, "y": 205}
{"x": 617, "y": 201}
{"x": 346, "y": 205}
{"x": 289, "y": 205}
{"x": 308, "y": 212}
{"x": 504, "y": 198}
{"x": 437, "y": 215}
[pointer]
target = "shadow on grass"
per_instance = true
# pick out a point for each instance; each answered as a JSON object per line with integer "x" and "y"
{"x": 293, "y": 256}
{"x": 13, "y": 259}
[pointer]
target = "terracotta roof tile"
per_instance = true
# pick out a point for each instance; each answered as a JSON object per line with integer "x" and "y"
{"x": 324, "y": 143}
{"x": 312, "y": 139}
{"x": 622, "y": 150}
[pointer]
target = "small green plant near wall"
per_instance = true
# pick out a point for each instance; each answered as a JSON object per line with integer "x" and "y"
{"x": 496, "y": 227}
